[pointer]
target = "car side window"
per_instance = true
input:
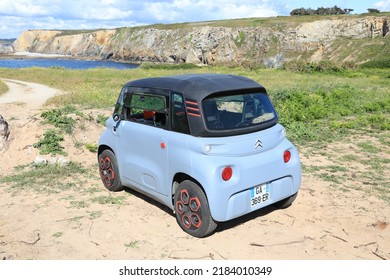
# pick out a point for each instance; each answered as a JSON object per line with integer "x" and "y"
{"x": 149, "y": 109}
{"x": 179, "y": 120}
{"x": 119, "y": 103}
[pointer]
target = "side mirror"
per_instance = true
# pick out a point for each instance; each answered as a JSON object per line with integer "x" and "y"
{"x": 116, "y": 117}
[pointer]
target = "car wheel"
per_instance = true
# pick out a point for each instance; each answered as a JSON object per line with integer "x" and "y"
{"x": 285, "y": 203}
{"x": 192, "y": 210}
{"x": 109, "y": 172}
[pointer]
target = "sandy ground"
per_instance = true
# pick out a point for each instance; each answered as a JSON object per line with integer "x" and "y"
{"x": 325, "y": 222}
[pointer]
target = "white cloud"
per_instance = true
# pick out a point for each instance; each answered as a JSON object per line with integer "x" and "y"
{"x": 383, "y": 5}
{"x": 85, "y": 14}
{"x": 22, "y": 8}
{"x": 72, "y": 9}
{"x": 105, "y": 13}
{"x": 189, "y": 10}
{"x": 244, "y": 11}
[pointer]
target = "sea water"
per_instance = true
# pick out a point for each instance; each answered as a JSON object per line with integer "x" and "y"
{"x": 62, "y": 63}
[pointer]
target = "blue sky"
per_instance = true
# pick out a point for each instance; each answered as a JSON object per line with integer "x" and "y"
{"x": 19, "y": 15}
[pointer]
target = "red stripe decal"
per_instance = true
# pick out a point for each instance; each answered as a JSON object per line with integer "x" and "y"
{"x": 195, "y": 115}
{"x": 192, "y": 103}
{"x": 192, "y": 108}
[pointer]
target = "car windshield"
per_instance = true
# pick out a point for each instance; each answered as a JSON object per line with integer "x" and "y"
{"x": 235, "y": 111}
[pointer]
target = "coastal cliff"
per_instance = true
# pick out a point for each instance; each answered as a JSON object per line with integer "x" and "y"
{"x": 234, "y": 42}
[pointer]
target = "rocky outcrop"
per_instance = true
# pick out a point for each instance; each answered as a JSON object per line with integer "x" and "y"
{"x": 4, "y": 133}
{"x": 6, "y": 48}
{"x": 209, "y": 43}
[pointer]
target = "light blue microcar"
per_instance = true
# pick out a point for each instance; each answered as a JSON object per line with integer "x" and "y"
{"x": 206, "y": 145}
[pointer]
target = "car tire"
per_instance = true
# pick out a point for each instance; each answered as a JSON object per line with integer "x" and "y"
{"x": 192, "y": 210}
{"x": 109, "y": 172}
{"x": 285, "y": 203}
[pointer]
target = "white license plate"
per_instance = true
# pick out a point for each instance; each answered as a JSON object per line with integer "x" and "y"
{"x": 260, "y": 194}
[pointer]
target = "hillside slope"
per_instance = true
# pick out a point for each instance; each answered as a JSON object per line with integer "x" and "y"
{"x": 255, "y": 40}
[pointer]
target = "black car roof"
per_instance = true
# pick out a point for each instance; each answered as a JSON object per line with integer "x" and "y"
{"x": 198, "y": 86}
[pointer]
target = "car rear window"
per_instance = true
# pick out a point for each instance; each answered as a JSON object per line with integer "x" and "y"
{"x": 236, "y": 111}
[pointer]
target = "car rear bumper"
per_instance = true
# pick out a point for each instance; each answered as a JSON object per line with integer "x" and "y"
{"x": 232, "y": 199}
{"x": 240, "y": 204}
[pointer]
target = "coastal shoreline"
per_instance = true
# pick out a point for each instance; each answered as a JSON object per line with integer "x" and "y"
{"x": 32, "y": 56}
{"x": 23, "y": 55}
{"x": 38, "y": 55}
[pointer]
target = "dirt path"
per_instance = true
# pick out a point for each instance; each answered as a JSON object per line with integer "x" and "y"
{"x": 20, "y": 106}
{"x": 33, "y": 95}
{"x": 78, "y": 219}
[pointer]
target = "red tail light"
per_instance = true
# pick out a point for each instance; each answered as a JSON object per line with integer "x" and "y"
{"x": 286, "y": 156}
{"x": 227, "y": 173}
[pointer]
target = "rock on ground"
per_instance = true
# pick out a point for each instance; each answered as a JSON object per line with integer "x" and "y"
{"x": 4, "y": 133}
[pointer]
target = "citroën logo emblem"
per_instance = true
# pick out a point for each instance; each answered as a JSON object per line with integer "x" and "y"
{"x": 258, "y": 144}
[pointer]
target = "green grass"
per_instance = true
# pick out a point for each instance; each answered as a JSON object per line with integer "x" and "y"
{"x": 269, "y": 22}
{"x": 368, "y": 147}
{"x": 43, "y": 178}
{"x": 109, "y": 199}
{"x": 132, "y": 244}
{"x": 95, "y": 214}
{"x": 3, "y": 87}
{"x": 92, "y": 147}
{"x": 101, "y": 119}
{"x": 58, "y": 234}
{"x": 358, "y": 162}
{"x": 78, "y": 204}
{"x": 377, "y": 63}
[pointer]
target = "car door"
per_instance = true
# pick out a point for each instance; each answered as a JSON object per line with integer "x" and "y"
{"x": 142, "y": 144}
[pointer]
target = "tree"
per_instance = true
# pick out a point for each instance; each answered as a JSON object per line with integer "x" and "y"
{"x": 320, "y": 11}
{"x": 310, "y": 12}
{"x": 371, "y": 11}
{"x": 348, "y": 11}
{"x": 335, "y": 11}
{"x": 298, "y": 12}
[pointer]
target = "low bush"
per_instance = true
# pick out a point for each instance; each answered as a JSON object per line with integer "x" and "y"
{"x": 91, "y": 147}
{"x": 59, "y": 118}
{"x": 325, "y": 66}
{"x": 50, "y": 143}
{"x": 320, "y": 114}
{"x": 380, "y": 64}
{"x": 3, "y": 87}
{"x": 101, "y": 119}
{"x": 44, "y": 178}
{"x": 168, "y": 66}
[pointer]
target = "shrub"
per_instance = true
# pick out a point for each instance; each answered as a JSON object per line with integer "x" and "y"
{"x": 324, "y": 66}
{"x": 239, "y": 41}
{"x": 91, "y": 147}
{"x": 57, "y": 118}
{"x": 168, "y": 66}
{"x": 101, "y": 119}
{"x": 380, "y": 64}
{"x": 50, "y": 143}
{"x": 325, "y": 112}
{"x": 3, "y": 87}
